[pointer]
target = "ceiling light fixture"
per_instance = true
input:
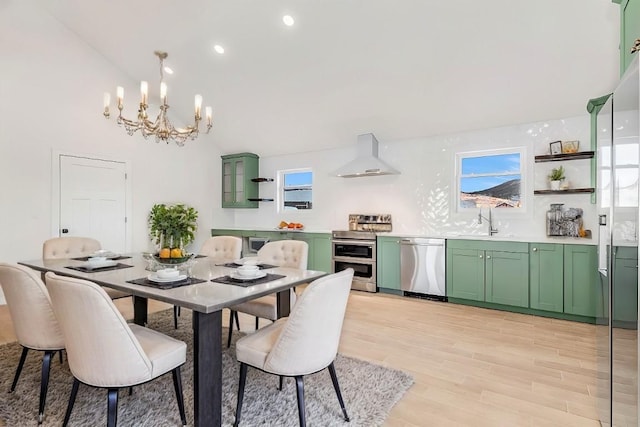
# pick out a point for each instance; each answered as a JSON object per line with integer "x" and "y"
{"x": 218, "y": 49}
{"x": 161, "y": 128}
{"x": 288, "y": 20}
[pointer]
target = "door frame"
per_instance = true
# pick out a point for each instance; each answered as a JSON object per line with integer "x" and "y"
{"x": 55, "y": 191}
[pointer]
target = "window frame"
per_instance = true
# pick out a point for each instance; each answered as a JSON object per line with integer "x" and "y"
{"x": 280, "y": 199}
{"x": 525, "y": 179}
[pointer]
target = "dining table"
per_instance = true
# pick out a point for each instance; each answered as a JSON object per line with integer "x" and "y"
{"x": 206, "y": 299}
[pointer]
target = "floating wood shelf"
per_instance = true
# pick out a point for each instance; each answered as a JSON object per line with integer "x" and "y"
{"x": 567, "y": 191}
{"x": 261, "y": 179}
{"x": 260, "y": 200}
{"x": 568, "y": 156}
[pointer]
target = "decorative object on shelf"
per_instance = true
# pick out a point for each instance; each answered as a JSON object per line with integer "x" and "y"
{"x": 556, "y": 175}
{"x": 569, "y": 147}
{"x": 172, "y": 228}
{"x": 636, "y": 46}
{"x": 555, "y": 147}
{"x": 161, "y": 128}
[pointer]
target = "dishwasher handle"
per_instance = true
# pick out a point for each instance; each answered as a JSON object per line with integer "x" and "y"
{"x": 422, "y": 242}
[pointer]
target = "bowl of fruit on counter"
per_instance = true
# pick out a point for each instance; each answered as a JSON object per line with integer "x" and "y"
{"x": 291, "y": 226}
{"x": 172, "y": 256}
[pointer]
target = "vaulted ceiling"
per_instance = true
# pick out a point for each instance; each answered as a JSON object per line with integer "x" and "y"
{"x": 400, "y": 69}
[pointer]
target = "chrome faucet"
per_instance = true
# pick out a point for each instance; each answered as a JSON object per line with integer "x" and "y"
{"x": 492, "y": 230}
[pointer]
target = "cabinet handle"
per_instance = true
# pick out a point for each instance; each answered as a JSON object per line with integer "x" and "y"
{"x": 480, "y": 256}
{"x": 488, "y": 256}
{"x": 535, "y": 249}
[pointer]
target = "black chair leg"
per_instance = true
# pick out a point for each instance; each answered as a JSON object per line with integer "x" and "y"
{"x": 334, "y": 380}
{"x": 177, "y": 385}
{"x": 23, "y": 357}
{"x": 176, "y": 313}
{"x": 235, "y": 316}
{"x": 243, "y": 379}
{"x": 72, "y": 400}
{"x": 300, "y": 394}
{"x": 257, "y": 322}
{"x": 230, "y": 328}
{"x": 112, "y": 407}
{"x": 44, "y": 382}
{"x": 61, "y": 360}
{"x": 280, "y": 383}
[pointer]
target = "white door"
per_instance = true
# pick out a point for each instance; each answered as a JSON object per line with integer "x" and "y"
{"x": 92, "y": 200}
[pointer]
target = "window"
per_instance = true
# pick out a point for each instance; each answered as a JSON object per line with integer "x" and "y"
{"x": 295, "y": 189}
{"x": 490, "y": 179}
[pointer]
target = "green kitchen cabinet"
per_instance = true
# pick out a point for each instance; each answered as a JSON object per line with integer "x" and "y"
{"x": 546, "y": 269}
{"x": 224, "y": 232}
{"x": 388, "y": 262}
{"x": 238, "y": 189}
{"x": 319, "y": 251}
{"x": 625, "y": 287}
{"x": 629, "y": 31}
{"x": 581, "y": 281}
{"x": 494, "y": 272}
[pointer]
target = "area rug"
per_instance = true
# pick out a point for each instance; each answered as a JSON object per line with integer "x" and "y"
{"x": 369, "y": 391}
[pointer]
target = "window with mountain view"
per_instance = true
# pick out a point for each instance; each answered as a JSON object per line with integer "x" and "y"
{"x": 490, "y": 179}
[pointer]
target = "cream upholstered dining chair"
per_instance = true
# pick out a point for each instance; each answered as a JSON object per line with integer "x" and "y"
{"x": 105, "y": 351}
{"x": 303, "y": 343}
{"x": 34, "y": 323}
{"x": 74, "y": 247}
{"x": 282, "y": 253}
{"x": 221, "y": 249}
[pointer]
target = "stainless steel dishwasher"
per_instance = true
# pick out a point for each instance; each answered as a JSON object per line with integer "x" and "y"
{"x": 422, "y": 266}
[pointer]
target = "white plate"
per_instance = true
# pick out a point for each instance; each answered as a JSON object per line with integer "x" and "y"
{"x": 105, "y": 253}
{"x": 258, "y": 275}
{"x": 155, "y": 278}
{"x": 92, "y": 265}
{"x": 247, "y": 261}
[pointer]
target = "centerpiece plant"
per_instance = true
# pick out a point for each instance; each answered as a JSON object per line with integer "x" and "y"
{"x": 171, "y": 228}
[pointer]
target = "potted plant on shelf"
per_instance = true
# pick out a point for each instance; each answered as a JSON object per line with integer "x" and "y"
{"x": 555, "y": 177}
{"x": 172, "y": 228}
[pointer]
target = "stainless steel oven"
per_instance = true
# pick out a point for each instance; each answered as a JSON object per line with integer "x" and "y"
{"x": 356, "y": 248}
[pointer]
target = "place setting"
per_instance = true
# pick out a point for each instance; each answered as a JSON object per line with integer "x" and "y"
{"x": 250, "y": 261}
{"x": 102, "y": 253}
{"x": 167, "y": 278}
{"x": 94, "y": 264}
{"x": 247, "y": 275}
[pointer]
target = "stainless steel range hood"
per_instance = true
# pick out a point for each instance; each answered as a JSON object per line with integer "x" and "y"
{"x": 367, "y": 162}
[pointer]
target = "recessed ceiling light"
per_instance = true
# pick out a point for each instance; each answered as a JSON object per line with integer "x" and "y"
{"x": 168, "y": 70}
{"x": 288, "y": 20}
{"x": 218, "y": 49}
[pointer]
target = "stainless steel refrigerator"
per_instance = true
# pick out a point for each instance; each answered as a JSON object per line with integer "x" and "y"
{"x": 618, "y": 166}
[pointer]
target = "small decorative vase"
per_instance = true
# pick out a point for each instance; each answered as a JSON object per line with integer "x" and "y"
{"x": 555, "y": 185}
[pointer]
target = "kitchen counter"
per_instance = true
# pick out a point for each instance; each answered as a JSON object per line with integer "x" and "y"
{"x": 502, "y": 238}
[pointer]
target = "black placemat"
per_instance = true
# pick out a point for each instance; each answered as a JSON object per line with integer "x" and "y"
{"x": 86, "y": 258}
{"x": 236, "y": 265}
{"x": 228, "y": 280}
{"x": 146, "y": 282}
{"x": 118, "y": 266}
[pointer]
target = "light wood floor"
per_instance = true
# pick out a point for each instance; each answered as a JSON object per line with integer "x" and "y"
{"x": 472, "y": 366}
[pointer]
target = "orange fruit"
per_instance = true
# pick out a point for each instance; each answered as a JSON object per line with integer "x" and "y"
{"x": 165, "y": 253}
{"x": 176, "y": 253}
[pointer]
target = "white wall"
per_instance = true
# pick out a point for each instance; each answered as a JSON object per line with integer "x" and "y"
{"x": 420, "y": 199}
{"x": 51, "y": 90}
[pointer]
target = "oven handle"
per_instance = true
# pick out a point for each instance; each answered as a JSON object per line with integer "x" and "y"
{"x": 354, "y": 260}
{"x": 354, "y": 242}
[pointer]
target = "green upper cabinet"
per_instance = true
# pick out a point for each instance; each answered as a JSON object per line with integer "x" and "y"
{"x": 629, "y": 31}
{"x": 388, "y": 262}
{"x": 581, "y": 280}
{"x": 237, "y": 188}
{"x": 546, "y": 276}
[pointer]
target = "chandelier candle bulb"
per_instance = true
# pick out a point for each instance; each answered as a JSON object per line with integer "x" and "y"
{"x": 163, "y": 92}
{"x": 198, "y": 102}
{"x": 107, "y": 99}
{"x": 120, "y": 96}
{"x": 144, "y": 91}
{"x": 209, "y": 113}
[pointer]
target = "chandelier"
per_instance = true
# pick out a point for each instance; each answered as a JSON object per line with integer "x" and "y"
{"x": 161, "y": 128}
